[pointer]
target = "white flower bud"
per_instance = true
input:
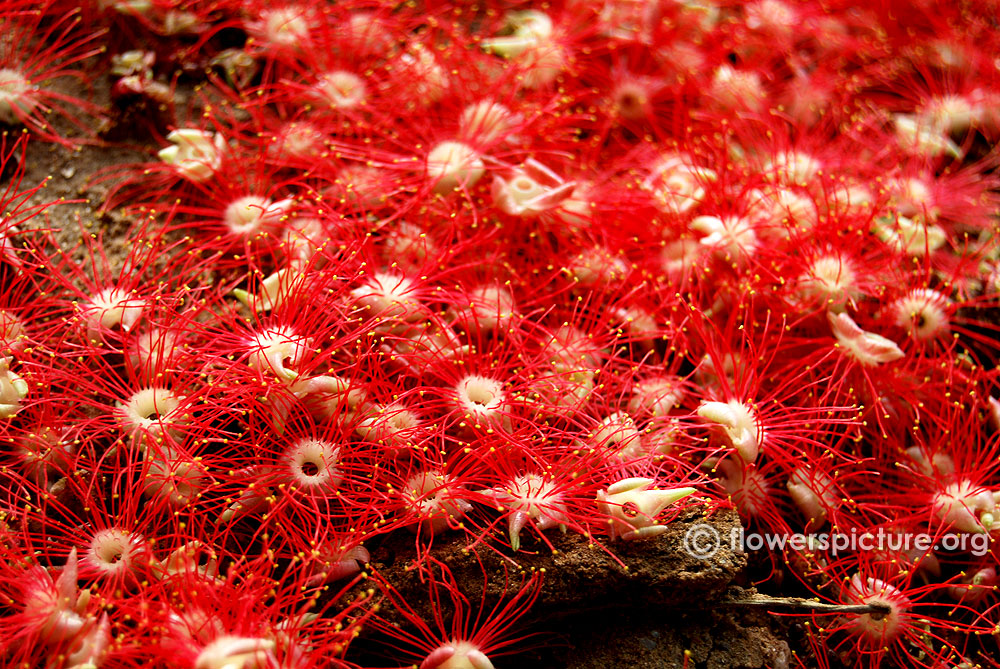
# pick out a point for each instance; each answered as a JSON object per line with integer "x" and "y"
{"x": 867, "y": 348}
{"x": 739, "y": 426}
{"x": 632, "y": 507}
{"x": 13, "y": 389}
{"x": 452, "y": 164}
{"x": 195, "y": 154}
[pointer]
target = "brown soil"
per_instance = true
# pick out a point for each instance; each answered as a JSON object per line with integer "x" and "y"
{"x": 628, "y": 604}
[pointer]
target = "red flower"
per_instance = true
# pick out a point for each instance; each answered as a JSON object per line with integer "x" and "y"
{"x": 41, "y": 48}
{"x": 475, "y": 633}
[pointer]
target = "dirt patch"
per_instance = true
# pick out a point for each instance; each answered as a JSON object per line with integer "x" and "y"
{"x": 637, "y": 604}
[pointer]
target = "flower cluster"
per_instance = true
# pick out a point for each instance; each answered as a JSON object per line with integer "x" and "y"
{"x": 488, "y": 274}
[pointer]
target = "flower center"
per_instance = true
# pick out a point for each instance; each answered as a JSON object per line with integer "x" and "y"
{"x": 341, "y": 89}
{"x": 15, "y": 103}
{"x": 313, "y": 465}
